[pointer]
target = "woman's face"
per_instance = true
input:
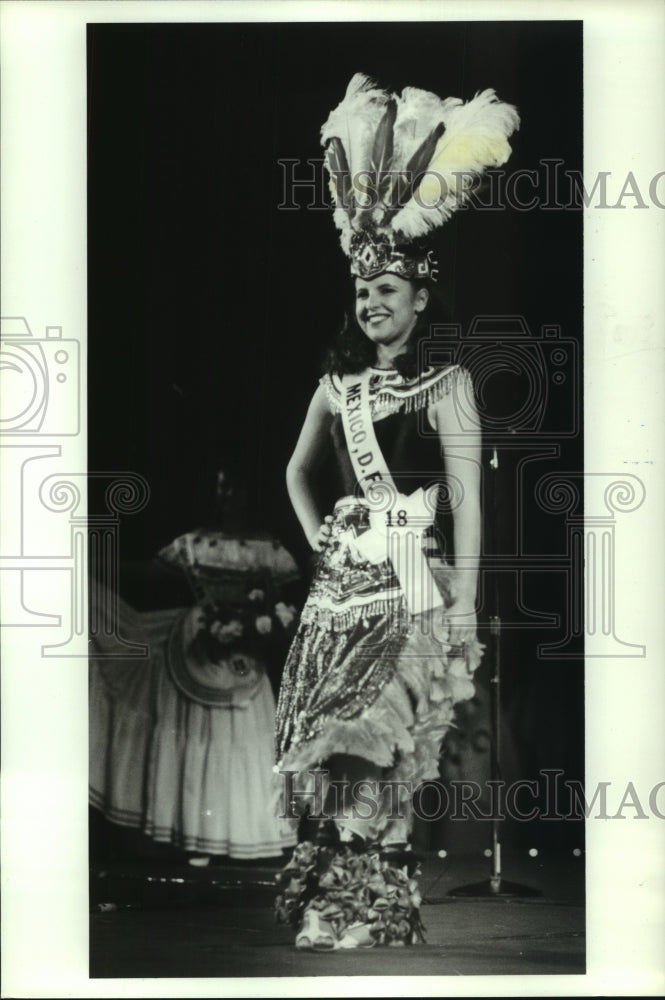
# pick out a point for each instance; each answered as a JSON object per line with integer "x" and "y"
{"x": 387, "y": 308}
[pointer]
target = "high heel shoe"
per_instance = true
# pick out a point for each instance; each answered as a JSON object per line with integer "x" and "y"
{"x": 357, "y": 936}
{"x": 316, "y": 934}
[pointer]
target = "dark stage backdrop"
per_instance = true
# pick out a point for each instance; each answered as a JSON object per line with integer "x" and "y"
{"x": 210, "y": 306}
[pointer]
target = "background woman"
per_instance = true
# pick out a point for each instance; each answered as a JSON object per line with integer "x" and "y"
{"x": 181, "y": 738}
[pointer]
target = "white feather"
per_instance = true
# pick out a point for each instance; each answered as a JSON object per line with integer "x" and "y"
{"x": 476, "y": 138}
{"x": 341, "y": 220}
{"x": 418, "y": 114}
{"x": 355, "y": 120}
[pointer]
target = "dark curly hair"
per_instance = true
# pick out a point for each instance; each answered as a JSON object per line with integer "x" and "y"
{"x": 351, "y": 351}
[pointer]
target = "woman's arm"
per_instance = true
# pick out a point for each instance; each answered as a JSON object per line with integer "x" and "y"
{"x": 456, "y": 421}
{"x": 309, "y": 452}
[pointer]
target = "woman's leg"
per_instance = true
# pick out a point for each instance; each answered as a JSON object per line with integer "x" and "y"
{"x": 353, "y": 800}
{"x": 336, "y": 892}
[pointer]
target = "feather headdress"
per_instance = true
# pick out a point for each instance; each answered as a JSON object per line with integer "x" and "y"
{"x": 401, "y": 165}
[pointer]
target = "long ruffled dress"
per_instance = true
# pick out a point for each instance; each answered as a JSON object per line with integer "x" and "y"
{"x": 363, "y": 677}
{"x": 180, "y": 749}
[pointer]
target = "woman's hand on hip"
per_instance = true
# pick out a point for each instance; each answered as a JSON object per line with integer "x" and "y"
{"x": 321, "y": 537}
{"x": 463, "y": 622}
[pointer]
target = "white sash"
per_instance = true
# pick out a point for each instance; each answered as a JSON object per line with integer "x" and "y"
{"x": 397, "y": 522}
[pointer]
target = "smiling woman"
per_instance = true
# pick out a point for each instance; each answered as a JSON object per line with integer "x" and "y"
{"x": 387, "y": 310}
{"x": 213, "y": 291}
{"x": 409, "y": 307}
{"x": 387, "y": 640}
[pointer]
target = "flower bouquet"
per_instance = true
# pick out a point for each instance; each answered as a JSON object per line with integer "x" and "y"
{"x": 239, "y": 585}
{"x": 254, "y": 624}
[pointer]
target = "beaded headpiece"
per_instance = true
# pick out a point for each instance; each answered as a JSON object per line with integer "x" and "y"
{"x": 401, "y": 165}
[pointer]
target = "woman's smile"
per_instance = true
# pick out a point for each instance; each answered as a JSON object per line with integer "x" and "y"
{"x": 375, "y": 318}
{"x": 385, "y": 306}
{"x": 387, "y": 309}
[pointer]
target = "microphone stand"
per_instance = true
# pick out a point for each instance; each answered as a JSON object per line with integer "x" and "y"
{"x": 496, "y": 886}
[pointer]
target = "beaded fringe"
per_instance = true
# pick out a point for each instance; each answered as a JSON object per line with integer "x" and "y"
{"x": 392, "y": 400}
{"x": 342, "y": 621}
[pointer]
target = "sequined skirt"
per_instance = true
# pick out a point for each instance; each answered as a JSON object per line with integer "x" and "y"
{"x": 363, "y": 677}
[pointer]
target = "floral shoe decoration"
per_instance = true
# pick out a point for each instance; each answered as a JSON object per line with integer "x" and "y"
{"x": 340, "y": 899}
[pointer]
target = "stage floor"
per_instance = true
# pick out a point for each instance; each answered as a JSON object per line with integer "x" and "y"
{"x": 156, "y": 920}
